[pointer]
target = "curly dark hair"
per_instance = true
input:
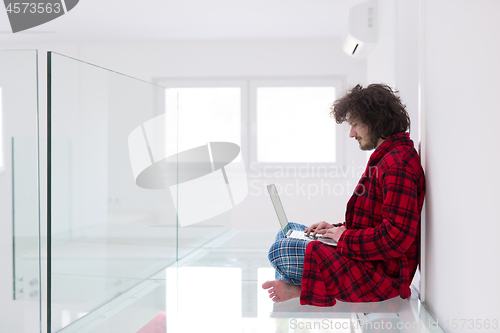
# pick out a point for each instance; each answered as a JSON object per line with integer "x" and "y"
{"x": 377, "y": 106}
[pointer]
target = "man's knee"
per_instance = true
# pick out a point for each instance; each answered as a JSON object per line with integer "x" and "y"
{"x": 279, "y": 235}
{"x": 273, "y": 254}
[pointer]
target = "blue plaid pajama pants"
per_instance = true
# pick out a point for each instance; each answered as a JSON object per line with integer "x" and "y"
{"x": 287, "y": 256}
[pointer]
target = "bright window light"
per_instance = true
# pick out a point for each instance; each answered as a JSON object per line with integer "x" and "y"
{"x": 293, "y": 125}
{"x": 264, "y": 303}
{"x": 208, "y": 114}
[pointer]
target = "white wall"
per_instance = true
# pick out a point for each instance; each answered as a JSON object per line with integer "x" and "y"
{"x": 407, "y": 55}
{"x": 381, "y": 61}
{"x": 394, "y": 58}
{"x": 461, "y": 108}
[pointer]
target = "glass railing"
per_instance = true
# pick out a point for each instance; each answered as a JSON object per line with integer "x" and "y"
{"x": 127, "y": 196}
{"x": 25, "y": 218}
{"x": 111, "y": 215}
{"x": 19, "y": 193}
{"x": 123, "y": 196}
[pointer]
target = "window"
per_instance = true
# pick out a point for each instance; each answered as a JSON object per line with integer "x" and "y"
{"x": 208, "y": 111}
{"x": 283, "y": 121}
{"x": 292, "y": 121}
{"x": 212, "y": 113}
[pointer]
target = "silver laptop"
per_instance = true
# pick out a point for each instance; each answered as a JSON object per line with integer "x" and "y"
{"x": 285, "y": 227}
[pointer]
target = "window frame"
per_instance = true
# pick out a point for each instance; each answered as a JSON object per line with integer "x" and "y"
{"x": 248, "y": 86}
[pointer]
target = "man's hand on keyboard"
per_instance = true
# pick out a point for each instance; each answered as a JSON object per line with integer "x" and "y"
{"x": 318, "y": 228}
{"x": 335, "y": 233}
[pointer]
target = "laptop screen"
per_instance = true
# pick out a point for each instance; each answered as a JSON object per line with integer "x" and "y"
{"x": 278, "y": 207}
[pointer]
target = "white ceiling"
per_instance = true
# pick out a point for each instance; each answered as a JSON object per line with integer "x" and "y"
{"x": 165, "y": 20}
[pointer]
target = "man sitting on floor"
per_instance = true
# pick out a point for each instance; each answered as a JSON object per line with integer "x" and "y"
{"x": 378, "y": 244}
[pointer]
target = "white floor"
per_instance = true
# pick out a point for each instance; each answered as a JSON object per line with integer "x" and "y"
{"x": 216, "y": 288}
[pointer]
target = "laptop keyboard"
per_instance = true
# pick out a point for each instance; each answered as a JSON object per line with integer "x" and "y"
{"x": 301, "y": 235}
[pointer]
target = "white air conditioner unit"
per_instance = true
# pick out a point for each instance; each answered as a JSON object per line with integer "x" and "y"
{"x": 362, "y": 29}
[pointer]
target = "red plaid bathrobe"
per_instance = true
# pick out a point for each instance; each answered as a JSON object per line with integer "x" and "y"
{"x": 376, "y": 257}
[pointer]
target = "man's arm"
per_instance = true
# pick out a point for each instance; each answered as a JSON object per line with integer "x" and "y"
{"x": 399, "y": 226}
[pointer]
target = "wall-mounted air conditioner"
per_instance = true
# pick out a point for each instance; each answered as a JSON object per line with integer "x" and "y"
{"x": 362, "y": 29}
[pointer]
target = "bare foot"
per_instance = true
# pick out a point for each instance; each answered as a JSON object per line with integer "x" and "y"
{"x": 280, "y": 291}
